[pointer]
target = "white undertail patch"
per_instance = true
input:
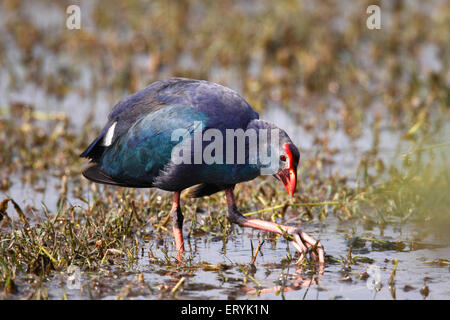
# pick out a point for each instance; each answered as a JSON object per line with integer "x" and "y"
{"x": 107, "y": 140}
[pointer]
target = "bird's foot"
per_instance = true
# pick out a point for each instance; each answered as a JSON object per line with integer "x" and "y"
{"x": 303, "y": 242}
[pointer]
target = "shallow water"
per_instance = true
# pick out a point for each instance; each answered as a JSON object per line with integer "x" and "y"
{"x": 411, "y": 272}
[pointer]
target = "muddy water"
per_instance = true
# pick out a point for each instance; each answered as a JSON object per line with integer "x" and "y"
{"x": 413, "y": 274}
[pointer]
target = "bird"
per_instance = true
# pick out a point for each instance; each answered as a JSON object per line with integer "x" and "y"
{"x": 136, "y": 148}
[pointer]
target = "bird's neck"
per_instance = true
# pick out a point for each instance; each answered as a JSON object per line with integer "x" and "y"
{"x": 264, "y": 153}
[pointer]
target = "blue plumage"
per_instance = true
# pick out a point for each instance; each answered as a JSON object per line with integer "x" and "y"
{"x": 145, "y": 149}
{"x": 138, "y": 151}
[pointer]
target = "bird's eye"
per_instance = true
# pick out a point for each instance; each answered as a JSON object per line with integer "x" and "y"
{"x": 283, "y": 158}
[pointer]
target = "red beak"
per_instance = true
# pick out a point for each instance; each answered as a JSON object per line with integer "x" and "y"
{"x": 289, "y": 179}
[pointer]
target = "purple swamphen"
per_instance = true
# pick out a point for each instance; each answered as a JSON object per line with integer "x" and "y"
{"x": 136, "y": 149}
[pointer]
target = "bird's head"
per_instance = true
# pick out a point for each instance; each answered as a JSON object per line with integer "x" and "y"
{"x": 283, "y": 156}
{"x": 289, "y": 159}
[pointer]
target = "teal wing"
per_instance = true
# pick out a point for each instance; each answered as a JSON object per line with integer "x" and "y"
{"x": 137, "y": 157}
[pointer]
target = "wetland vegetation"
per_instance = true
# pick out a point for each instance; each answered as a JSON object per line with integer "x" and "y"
{"x": 369, "y": 110}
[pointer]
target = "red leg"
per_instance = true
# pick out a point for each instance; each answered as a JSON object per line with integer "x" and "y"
{"x": 177, "y": 225}
{"x": 303, "y": 242}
